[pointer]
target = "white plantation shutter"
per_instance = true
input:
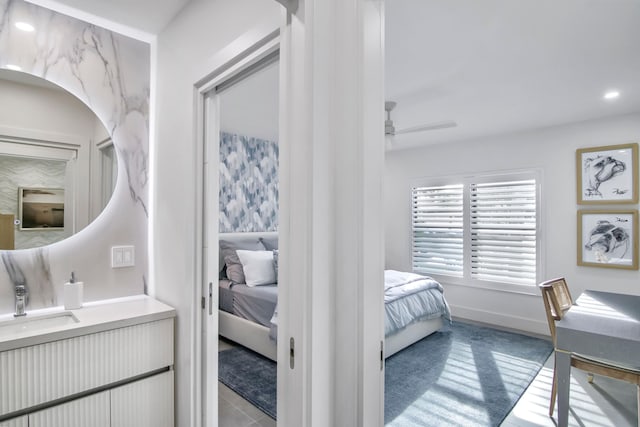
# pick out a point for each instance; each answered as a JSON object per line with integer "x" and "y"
{"x": 438, "y": 230}
{"x": 503, "y": 231}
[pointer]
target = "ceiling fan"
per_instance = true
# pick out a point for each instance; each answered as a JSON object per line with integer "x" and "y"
{"x": 390, "y": 130}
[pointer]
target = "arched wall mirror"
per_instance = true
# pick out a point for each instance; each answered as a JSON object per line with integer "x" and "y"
{"x": 108, "y": 72}
{"x": 58, "y": 165}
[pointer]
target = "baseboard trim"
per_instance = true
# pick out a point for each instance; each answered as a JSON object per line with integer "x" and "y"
{"x": 490, "y": 318}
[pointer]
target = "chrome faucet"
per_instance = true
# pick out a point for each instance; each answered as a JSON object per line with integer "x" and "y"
{"x": 21, "y": 297}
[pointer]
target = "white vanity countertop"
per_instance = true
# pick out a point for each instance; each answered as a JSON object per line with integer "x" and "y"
{"x": 93, "y": 317}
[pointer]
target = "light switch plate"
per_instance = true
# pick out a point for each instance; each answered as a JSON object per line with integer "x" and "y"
{"x": 122, "y": 256}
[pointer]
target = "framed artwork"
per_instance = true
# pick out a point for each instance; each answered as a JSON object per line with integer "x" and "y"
{"x": 607, "y": 174}
{"x": 608, "y": 238}
{"x": 41, "y": 208}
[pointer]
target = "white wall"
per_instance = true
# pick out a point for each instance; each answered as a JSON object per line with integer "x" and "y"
{"x": 553, "y": 151}
{"x": 190, "y": 48}
{"x": 250, "y": 107}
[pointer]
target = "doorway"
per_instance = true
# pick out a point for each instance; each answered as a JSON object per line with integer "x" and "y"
{"x": 240, "y": 143}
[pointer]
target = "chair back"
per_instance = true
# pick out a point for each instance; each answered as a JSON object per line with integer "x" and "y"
{"x": 557, "y": 300}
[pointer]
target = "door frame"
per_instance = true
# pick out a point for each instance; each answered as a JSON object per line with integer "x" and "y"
{"x": 331, "y": 67}
{"x": 207, "y": 161}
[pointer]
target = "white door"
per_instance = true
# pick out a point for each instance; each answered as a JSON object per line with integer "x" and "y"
{"x": 239, "y": 101}
{"x": 210, "y": 214}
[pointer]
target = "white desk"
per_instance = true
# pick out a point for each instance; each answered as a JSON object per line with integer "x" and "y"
{"x": 602, "y": 325}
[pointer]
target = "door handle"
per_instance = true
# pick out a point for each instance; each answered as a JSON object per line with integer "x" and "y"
{"x": 292, "y": 353}
{"x": 210, "y": 298}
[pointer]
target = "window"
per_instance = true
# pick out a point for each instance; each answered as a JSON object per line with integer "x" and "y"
{"x": 479, "y": 230}
{"x": 438, "y": 230}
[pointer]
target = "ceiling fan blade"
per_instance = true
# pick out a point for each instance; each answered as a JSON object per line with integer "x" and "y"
{"x": 430, "y": 126}
{"x": 389, "y": 143}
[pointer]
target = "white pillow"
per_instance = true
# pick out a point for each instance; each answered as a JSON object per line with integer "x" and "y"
{"x": 257, "y": 267}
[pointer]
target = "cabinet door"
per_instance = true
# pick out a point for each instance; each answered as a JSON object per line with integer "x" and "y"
{"x": 88, "y": 411}
{"x": 16, "y": 422}
{"x": 144, "y": 403}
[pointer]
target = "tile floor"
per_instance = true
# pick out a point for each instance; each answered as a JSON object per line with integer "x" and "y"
{"x": 234, "y": 411}
{"x": 605, "y": 403}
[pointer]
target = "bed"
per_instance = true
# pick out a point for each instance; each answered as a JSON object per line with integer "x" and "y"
{"x": 415, "y": 306}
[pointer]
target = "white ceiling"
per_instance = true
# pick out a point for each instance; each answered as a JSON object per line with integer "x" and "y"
{"x": 493, "y": 66}
{"x": 499, "y": 66}
{"x": 145, "y": 17}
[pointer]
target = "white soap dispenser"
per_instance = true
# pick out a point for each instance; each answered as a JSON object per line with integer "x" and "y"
{"x": 73, "y": 293}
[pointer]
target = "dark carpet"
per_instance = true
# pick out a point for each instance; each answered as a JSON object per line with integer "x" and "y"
{"x": 251, "y": 375}
{"x": 462, "y": 375}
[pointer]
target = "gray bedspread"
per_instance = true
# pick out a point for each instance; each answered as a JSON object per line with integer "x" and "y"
{"x": 255, "y": 303}
{"x": 410, "y": 297}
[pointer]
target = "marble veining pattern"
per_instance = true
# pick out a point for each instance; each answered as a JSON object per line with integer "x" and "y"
{"x": 110, "y": 73}
{"x": 89, "y": 62}
{"x": 32, "y": 272}
{"x": 248, "y": 184}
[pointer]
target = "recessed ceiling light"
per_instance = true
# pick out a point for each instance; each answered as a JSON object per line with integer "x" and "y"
{"x": 25, "y": 26}
{"x": 13, "y": 67}
{"x": 612, "y": 94}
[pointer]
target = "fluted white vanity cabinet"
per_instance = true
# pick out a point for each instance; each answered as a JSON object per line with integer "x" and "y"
{"x": 91, "y": 411}
{"x": 144, "y": 403}
{"x": 112, "y": 369}
{"x": 16, "y": 422}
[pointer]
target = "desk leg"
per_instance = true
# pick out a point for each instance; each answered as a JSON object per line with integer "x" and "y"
{"x": 563, "y": 373}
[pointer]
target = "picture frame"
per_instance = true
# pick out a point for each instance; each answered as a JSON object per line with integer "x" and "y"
{"x": 41, "y": 208}
{"x": 608, "y": 238}
{"x": 607, "y": 174}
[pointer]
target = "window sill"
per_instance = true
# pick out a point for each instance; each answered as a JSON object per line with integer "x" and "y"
{"x": 530, "y": 290}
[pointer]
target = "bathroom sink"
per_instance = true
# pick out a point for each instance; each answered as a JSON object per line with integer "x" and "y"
{"x": 36, "y": 323}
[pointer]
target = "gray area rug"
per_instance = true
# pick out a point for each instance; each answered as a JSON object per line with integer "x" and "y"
{"x": 251, "y": 375}
{"x": 463, "y": 375}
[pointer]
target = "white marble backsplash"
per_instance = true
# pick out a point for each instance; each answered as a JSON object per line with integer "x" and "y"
{"x": 110, "y": 73}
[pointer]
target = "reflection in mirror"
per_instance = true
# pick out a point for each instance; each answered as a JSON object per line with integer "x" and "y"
{"x": 56, "y": 161}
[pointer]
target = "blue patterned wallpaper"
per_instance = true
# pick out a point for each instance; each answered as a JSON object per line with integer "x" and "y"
{"x": 248, "y": 184}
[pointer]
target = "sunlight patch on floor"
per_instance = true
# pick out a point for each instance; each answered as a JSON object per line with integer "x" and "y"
{"x": 606, "y": 403}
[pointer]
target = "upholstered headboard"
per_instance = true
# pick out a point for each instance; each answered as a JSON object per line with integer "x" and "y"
{"x": 266, "y": 240}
